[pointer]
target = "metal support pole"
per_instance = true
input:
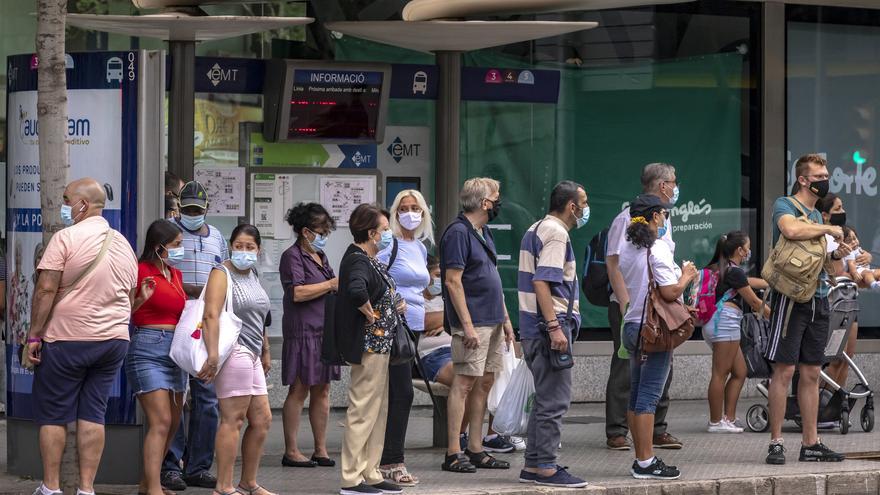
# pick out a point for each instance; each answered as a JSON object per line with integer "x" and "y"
{"x": 448, "y": 137}
{"x": 773, "y": 155}
{"x": 181, "y": 109}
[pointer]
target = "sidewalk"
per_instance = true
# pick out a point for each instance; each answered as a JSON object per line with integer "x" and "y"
{"x": 736, "y": 460}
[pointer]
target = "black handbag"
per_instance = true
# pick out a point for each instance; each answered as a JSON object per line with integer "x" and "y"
{"x": 403, "y": 346}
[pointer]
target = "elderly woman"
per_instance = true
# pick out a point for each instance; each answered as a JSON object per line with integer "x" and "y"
{"x": 365, "y": 321}
{"x": 307, "y": 279}
{"x": 406, "y": 260}
{"x": 648, "y": 371}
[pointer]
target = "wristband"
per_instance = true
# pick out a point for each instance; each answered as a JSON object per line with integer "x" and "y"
{"x": 32, "y": 340}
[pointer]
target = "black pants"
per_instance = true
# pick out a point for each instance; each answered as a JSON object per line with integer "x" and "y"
{"x": 617, "y": 388}
{"x": 400, "y": 399}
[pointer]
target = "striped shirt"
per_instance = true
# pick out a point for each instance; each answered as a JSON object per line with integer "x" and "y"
{"x": 201, "y": 254}
{"x": 552, "y": 248}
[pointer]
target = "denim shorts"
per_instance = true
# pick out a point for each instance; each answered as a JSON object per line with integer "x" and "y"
{"x": 435, "y": 361}
{"x": 724, "y": 326}
{"x": 647, "y": 372}
{"x": 148, "y": 366}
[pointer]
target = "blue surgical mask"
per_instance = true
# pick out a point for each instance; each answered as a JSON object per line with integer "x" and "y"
{"x": 385, "y": 241}
{"x": 67, "y": 214}
{"x": 584, "y": 218}
{"x": 674, "y": 198}
{"x": 175, "y": 255}
{"x": 661, "y": 231}
{"x": 435, "y": 289}
{"x": 244, "y": 260}
{"x": 319, "y": 243}
{"x": 192, "y": 223}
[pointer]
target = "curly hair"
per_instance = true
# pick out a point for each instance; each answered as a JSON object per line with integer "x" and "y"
{"x": 309, "y": 216}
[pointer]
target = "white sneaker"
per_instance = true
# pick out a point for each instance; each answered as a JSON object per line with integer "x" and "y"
{"x": 518, "y": 442}
{"x": 723, "y": 426}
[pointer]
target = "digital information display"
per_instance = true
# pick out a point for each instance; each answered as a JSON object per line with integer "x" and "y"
{"x": 335, "y": 104}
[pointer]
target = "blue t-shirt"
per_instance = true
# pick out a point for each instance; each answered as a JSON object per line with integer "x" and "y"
{"x": 410, "y": 273}
{"x": 461, "y": 248}
{"x": 785, "y": 206}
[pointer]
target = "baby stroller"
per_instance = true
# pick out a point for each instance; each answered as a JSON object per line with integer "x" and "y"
{"x": 835, "y": 401}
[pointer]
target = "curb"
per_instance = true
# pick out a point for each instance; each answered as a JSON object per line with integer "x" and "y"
{"x": 846, "y": 483}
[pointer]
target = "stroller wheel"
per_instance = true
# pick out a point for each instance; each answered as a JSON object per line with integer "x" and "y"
{"x": 867, "y": 419}
{"x": 758, "y": 418}
{"x": 844, "y": 422}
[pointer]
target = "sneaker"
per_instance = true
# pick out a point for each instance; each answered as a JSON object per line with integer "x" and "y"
{"x": 737, "y": 422}
{"x": 42, "y": 490}
{"x": 173, "y": 481}
{"x": 360, "y": 490}
{"x": 723, "y": 426}
{"x": 561, "y": 479}
{"x": 202, "y": 480}
{"x": 463, "y": 441}
{"x": 827, "y": 425}
{"x": 666, "y": 441}
{"x": 618, "y": 443}
{"x": 776, "y": 454}
{"x": 819, "y": 453}
{"x": 387, "y": 487}
{"x": 519, "y": 443}
{"x": 656, "y": 471}
{"x": 527, "y": 477}
{"x": 497, "y": 444}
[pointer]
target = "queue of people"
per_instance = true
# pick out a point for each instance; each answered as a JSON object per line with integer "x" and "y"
{"x": 389, "y": 289}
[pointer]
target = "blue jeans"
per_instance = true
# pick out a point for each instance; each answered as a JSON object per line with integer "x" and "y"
{"x": 647, "y": 372}
{"x": 197, "y": 451}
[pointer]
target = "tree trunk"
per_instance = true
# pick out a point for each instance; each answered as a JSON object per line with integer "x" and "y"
{"x": 54, "y": 161}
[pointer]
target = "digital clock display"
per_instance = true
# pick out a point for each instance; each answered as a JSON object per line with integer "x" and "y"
{"x": 335, "y": 104}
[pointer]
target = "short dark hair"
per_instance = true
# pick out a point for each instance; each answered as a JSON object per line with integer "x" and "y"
{"x": 245, "y": 229}
{"x": 825, "y": 204}
{"x": 309, "y": 216}
{"x": 363, "y": 219}
{"x": 563, "y": 193}
{"x": 172, "y": 183}
{"x": 433, "y": 262}
{"x": 159, "y": 233}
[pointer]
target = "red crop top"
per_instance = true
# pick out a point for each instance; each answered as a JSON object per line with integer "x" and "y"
{"x": 167, "y": 301}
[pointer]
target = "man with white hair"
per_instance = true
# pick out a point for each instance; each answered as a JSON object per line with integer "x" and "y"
{"x": 477, "y": 318}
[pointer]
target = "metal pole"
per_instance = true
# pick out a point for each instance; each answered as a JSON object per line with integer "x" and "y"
{"x": 181, "y": 109}
{"x": 773, "y": 156}
{"x": 448, "y": 137}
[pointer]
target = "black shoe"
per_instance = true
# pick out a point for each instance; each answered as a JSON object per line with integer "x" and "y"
{"x": 173, "y": 481}
{"x": 288, "y": 462}
{"x": 387, "y": 487}
{"x": 202, "y": 480}
{"x": 656, "y": 471}
{"x": 361, "y": 489}
{"x": 776, "y": 454}
{"x": 819, "y": 453}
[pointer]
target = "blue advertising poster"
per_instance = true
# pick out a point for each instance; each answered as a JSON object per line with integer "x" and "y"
{"x": 102, "y": 144}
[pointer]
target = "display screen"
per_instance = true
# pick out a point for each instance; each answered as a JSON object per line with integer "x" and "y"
{"x": 335, "y": 104}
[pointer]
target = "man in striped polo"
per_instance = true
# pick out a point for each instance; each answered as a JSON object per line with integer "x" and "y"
{"x": 549, "y": 320}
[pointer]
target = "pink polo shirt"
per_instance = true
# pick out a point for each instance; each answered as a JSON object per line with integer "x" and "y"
{"x": 99, "y": 307}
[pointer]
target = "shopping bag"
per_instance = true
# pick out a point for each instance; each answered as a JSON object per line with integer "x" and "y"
{"x": 509, "y": 361}
{"x": 512, "y": 414}
{"x": 188, "y": 348}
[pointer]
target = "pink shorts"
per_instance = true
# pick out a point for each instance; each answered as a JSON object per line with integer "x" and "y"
{"x": 241, "y": 375}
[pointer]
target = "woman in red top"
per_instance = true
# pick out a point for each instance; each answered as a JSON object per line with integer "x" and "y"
{"x": 159, "y": 384}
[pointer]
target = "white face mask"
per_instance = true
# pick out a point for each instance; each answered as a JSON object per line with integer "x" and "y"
{"x": 410, "y": 220}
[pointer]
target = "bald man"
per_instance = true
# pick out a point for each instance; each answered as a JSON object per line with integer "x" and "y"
{"x": 79, "y": 331}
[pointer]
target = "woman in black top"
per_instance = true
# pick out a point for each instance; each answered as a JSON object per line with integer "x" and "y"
{"x": 365, "y": 321}
{"x": 722, "y": 332}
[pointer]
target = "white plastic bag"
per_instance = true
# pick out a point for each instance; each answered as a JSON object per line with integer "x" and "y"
{"x": 188, "y": 349}
{"x": 512, "y": 414}
{"x": 509, "y": 362}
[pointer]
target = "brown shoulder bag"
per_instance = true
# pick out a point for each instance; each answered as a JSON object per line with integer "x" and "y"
{"x": 665, "y": 325}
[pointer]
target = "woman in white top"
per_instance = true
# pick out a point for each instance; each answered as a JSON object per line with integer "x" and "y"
{"x": 648, "y": 371}
{"x": 406, "y": 259}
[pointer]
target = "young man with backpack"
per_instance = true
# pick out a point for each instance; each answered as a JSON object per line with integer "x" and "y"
{"x": 658, "y": 179}
{"x": 799, "y": 305}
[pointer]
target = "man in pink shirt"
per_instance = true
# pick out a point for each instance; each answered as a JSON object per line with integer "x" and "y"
{"x": 79, "y": 331}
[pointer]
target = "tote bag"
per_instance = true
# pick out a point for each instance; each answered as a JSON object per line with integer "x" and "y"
{"x": 188, "y": 348}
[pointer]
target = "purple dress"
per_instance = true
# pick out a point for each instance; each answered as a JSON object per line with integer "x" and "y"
{"x": 303, "y": 322}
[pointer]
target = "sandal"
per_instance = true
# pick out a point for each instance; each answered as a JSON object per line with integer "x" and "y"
{"x": 399, "y": 475}
{"x": 233, "y": 492}
{"x": 483, "y": 460}
{"x": 252, "y": 491}
{"x": 458, "y": 463}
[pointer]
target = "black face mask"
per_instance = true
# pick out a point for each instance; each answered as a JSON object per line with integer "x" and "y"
{"x": 838, "y": 219}
{"x": 819, "y": 187}
{"x": 496, "y": 209}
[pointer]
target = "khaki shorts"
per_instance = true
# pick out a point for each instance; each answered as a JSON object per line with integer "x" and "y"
{"x": 484, "y": 359}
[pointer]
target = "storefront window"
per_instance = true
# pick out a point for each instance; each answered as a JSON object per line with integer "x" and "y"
{"x": 834, "y": 109}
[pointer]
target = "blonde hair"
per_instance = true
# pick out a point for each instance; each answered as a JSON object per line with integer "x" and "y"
{"x": 425, "y": 230}
{"x": 475, "y": 190}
